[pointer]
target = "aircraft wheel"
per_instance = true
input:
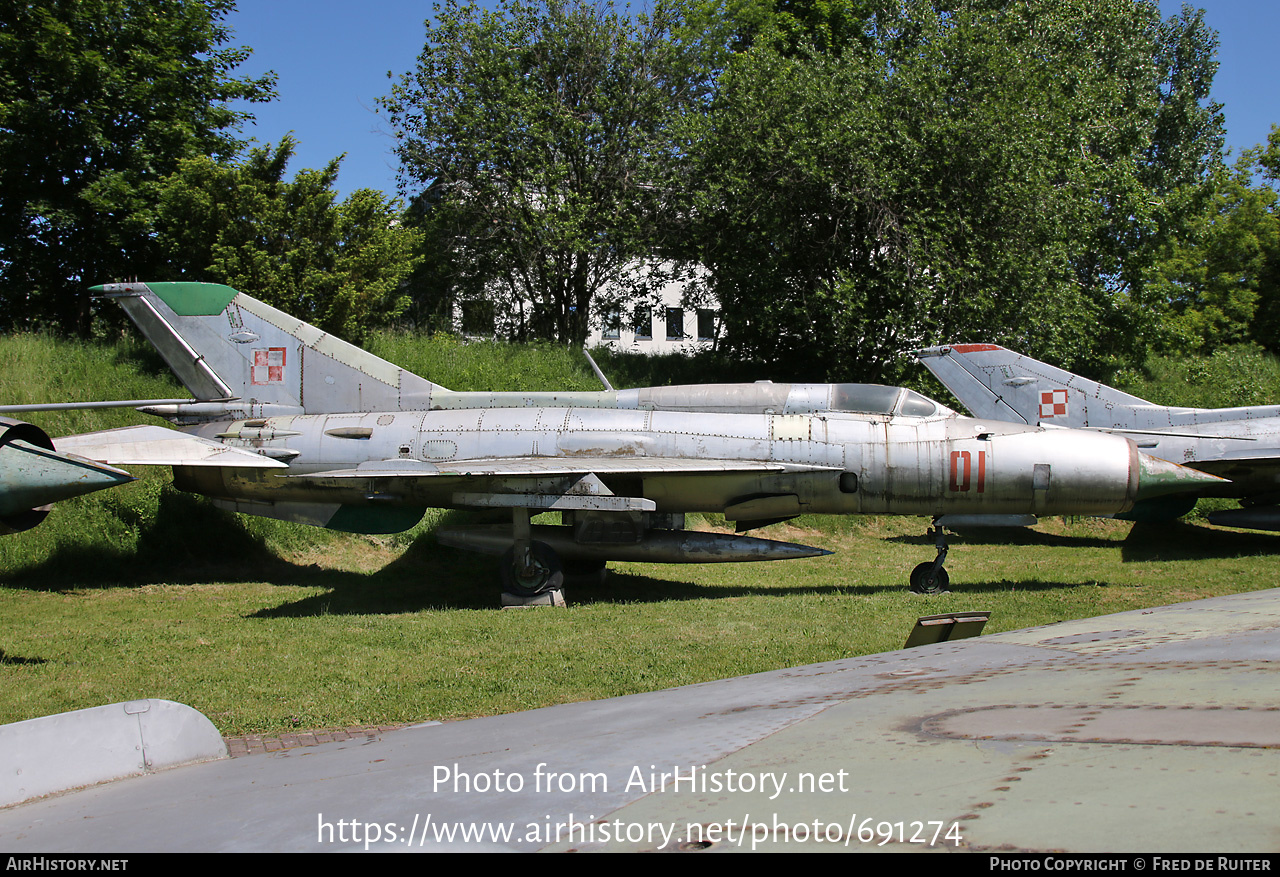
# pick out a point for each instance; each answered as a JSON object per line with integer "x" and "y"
{"x": 925, "y": 581}
{"x": 586, "y": 572}
{"x": 543, "y": 574}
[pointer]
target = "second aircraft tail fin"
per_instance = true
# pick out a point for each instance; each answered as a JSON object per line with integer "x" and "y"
{"x": 998, "y": 384}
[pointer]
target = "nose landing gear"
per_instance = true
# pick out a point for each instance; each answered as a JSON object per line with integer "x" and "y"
{"x": 929, "y": 577}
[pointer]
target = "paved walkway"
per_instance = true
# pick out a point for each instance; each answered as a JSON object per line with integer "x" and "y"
{"x": 256, "y": 744}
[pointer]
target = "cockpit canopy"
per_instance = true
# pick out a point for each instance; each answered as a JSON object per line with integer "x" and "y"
{"x": 879, "y": 399}
{"x": 769, "y": 398}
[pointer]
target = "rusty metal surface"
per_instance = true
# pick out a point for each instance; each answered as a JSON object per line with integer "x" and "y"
{"x": 1148, "y": 731}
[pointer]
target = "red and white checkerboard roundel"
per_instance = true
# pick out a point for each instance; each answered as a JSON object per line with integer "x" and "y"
{"x": 268, "y": 366}
{"x": 1053, "y": 403}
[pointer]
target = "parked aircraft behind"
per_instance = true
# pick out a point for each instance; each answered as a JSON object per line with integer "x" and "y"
{"x": 1238, "y": 444}
{"x": 33, "y": 476}
{"x": 367, "y": 446}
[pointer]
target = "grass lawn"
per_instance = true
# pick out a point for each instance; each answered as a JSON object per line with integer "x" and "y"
{"x": 350, "y": 630}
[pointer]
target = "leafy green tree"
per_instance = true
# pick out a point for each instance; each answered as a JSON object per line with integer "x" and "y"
{"x": 99, "y": 100}
{"x": 338, "y": 265}
{"x": 544, "y": 130}
{"x": 437, "y": 284}
{"x": 1005, "y": 170}
{"x": 1213, "y": 277}
{"x": 1265, "y": 329}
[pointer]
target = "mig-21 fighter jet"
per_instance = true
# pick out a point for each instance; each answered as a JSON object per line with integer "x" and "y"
{"x": 360, "y": 444}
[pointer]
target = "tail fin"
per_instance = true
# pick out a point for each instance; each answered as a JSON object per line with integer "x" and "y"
{"x": 998, "y": 384}
{"x": 225, "y": 346}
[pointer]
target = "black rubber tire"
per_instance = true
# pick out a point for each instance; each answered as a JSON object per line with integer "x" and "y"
{"x": 548, "y": 574}
{"x": 924, "y": 581}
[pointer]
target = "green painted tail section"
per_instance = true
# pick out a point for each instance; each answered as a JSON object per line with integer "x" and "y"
{"x": 224, "y": 345}
{"x": 194, "y": 299}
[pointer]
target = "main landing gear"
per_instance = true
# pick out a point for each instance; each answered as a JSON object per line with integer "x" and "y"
{"x": 533, "y": 574}
{"x": 536, "y": 576}
{"x": 929, "y": 577}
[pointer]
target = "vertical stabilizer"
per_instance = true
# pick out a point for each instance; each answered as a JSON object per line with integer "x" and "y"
{"x": 223, "y": 344}
{"x": 998, "y": 384}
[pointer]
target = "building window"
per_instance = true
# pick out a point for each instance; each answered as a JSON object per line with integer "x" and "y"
{"x": 675, "y": 324}
{"x": 612, "y": 326}
{"x": 706, "y": 324}
{"x": 644, "y": 324}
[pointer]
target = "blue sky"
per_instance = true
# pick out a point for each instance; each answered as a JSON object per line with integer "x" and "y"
{"x": 332, "y": 58}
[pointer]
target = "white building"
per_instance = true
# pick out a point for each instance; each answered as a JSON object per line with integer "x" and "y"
{"x": 677, "y": 316}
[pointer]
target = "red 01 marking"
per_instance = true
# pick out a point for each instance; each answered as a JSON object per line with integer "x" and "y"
{"x": 962, "y": 467}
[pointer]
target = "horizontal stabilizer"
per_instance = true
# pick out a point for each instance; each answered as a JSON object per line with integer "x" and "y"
{"x": 158, "y": 446}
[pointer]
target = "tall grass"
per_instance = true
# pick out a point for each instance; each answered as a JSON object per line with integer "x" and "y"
{"x": 486, "y": 365}
{"x": 39, "y": 368}
{"x": 1243, "y": 374}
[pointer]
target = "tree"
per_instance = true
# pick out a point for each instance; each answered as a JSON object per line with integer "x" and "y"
{"x": 1211, "y": 277}
{"x": 1218, "y": 281}
{"x": 99, "y": 100}
{"x": 544, "y": 131}
{"x": 1265, "y": 329}
{"x": 921, "y": 172}
{"x": 339, "y": 266}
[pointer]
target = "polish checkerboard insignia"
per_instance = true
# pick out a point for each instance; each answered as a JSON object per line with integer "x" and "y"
{"x": 268, "y": 366}
{"x": 1053, "y": 403}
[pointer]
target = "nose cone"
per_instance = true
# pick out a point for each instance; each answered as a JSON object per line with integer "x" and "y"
{"x": 1158, "y": 477}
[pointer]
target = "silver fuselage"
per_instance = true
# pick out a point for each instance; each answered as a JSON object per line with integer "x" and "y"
{"x": 1191, "y": 436}
{"x": 1238, "y": 444}
{"x": 945, "y": 464}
